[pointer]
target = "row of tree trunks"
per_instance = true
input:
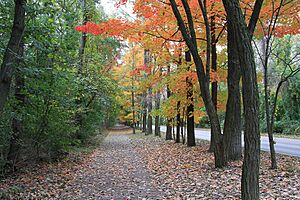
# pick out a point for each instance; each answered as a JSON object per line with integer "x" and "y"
{"x": 250, "y": 169}
{"x": 189, "y": 36}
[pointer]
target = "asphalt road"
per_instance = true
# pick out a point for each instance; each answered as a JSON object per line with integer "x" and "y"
{"x": 283, "y": 145}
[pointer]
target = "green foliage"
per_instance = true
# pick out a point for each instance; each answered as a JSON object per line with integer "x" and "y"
{"x": 55, "y": 92}
{"x": 283, "y": 62}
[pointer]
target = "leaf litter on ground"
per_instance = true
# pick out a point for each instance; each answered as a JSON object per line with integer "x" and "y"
{"x": 173, "y": 171}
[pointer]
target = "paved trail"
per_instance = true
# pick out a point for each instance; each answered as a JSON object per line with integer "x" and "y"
{"x": 284, "y": 146}
{"x": 116, "y": 172}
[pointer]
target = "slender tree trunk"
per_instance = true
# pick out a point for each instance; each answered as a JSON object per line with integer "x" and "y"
{"x": 149, "y": 128}
{"x": 14, "y": 149}
{"x": 173, "y": 129}
{"x": 132, "y": 97}
{"x": 267, "y": 103}
{"x": 157, "y": 123}
{"x": 182, "y": 126}
{"x": 190, "y": 123}
{"x": 232, "y": 125}
{"x": 214, "y": 84}
{"x": 11, "y": 52}
{"x": 169, "y": 121}
{"x": 250, "y": 171}
{"x": 82, "y": 44}
{"x": 178, "y": 124}
{"x": 133, "y": 107}
{"x": 144, "y": 129}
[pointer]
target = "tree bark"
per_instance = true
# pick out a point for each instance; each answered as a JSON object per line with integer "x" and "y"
{"x": 149, "y": 126}
{"x": 232, "y": 124}
{"x": 11, "y": 52}
{"x": 169, "y": 120}
{"x": 267, "y": 103}
{"x": 177, "y": 140}
{"x": 144, "y": 129}
{"x": 214, "y": 84}
{"x": 191, "y": 141}
{"x": 250, "y": 169}
{"x": 132, "y": 105}
{"x": 14, "y": 149}
{"x": 157, "y": 118}
{"x": 190, "y": 115}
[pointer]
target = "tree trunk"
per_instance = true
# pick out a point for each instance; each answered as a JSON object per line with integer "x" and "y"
{"x": 169, "y": 120}
{"x": 157, "y": 106}
{"x": 133, "y": 97}
{"x": 82, "y": 44}
{"x": 133, "y": 108}
{"x": 250, "y": 171}
{"x": 149, "y": 127}
{"x": 7, "y": 66}
{"x": 190, "y": 122}
{"x": 182, "y": 126}
{"x": 14, "y": 149}
{"x": 144, "y": 113}
{"x": 267, "y": 104}
{"x": 214, "y": 84}
{"x": 178, "y": 124}
{"x": 190, "y": 107}
{"x": 232, "y": 124}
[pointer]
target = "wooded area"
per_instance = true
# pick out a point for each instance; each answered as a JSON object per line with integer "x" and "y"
{"x": 69, "y": 71}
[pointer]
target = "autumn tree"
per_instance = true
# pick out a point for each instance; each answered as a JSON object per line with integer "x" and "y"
{"x": 189, "y": 36}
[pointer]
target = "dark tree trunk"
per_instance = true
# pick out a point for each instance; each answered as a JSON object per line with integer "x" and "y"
{"x": 144, "y": 129}
{"x": 232, "y": 125}
{"x": 157, "y": 123}
{"x": 9, "y": 58}
{"x": 169, "y": 121}
{"x": 178, "y": 123}
{"x": 133, "y": 108}
{"x": 214, "y": 84}
{"x": 169, "y": 130}
{"x": 267, "y": 104}
{"x": 190, "y": 108}
{"x": 149, "y": 127}
{"x": 190, "y": 122}
{"x": 250, "y": 169}
{"x": 182, "y": 126}
{"x": 14, "y": 149}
